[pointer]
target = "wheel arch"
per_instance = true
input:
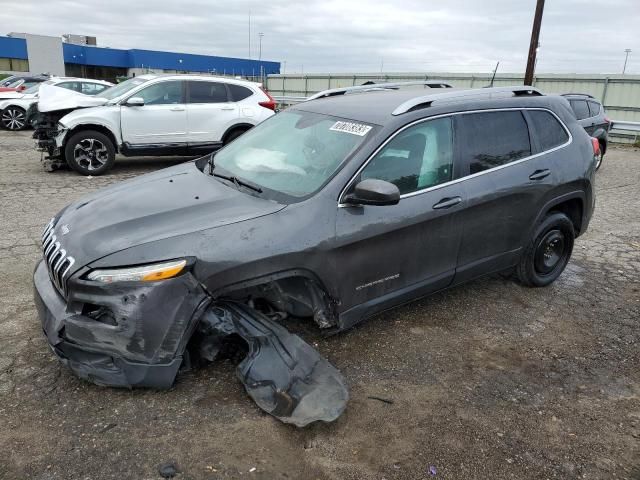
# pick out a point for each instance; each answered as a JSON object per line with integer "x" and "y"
{"x": 572, "y": 204}
{"x": 92, "y": 126}
{"x": 244, "y": 126}
{"x": 297, "y": 292}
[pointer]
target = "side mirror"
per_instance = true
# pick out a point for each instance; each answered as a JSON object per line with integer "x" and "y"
{"x": 135, "y": 102}
{"x": 373, "y": 192}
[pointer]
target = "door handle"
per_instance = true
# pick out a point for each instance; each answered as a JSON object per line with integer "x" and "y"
{"x": 540, "y": 174}
{"x": 177, "y": 109}
{"x": 447, "y": 203}
{"x": 227, "y": 108}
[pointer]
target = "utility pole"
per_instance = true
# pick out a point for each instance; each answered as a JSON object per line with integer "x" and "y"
{"x": 533, "y": 45}
{"x": 627, "y": 51}
{"x": 260, "y": 35}
{"x": 494, "y": 74}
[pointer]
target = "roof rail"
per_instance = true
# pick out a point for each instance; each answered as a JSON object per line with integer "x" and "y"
{"x": 581, "y": 94}
{"x": 494, "y": 92}
{"x": 378, "y": 86}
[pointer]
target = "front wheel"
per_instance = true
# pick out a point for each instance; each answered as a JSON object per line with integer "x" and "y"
{"x": 13, "y": 118}
{"x": 90, "y": 153}
{"x": 549, "y": 251}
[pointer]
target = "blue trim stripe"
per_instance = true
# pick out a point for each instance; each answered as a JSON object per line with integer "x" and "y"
{"x": 13, "y": 48}
{"x": 135, "y": 58}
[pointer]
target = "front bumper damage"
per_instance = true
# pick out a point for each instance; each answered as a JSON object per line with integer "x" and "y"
{"x": 49, "y": 135}
{"x": 111, "y": 335}
{"x": 137, "y": 336}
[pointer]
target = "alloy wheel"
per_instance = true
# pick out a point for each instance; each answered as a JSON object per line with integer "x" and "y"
{"x": 13, "y": 119}
{"x": 599, "y": 159}
{"x": 90, "y": 153}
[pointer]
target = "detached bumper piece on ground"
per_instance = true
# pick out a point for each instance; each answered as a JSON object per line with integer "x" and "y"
{"x": 285, "y": 376}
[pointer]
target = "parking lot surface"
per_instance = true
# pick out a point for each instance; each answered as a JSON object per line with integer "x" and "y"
{"x": 488, "y": 380}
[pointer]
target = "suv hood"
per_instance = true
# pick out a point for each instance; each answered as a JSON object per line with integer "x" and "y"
{"x": 53, "y": 98}
{"x": 171, "y": 202}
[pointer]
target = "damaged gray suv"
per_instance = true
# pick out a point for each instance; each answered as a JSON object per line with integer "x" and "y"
{"x": 342, "y": 206}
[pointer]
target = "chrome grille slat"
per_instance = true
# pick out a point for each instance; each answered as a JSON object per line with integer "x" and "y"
{"x": 47, "y": 239}
{"x": 56, "y": 259}
{"x": 52, "y": 254}
{"x": 50, "y": 247}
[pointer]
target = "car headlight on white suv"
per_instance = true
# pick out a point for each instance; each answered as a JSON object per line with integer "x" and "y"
{"x": 145, "y": 273}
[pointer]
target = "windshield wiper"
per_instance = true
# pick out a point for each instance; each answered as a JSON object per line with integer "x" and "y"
{"x": 238, "y": 182}
{"x": 231, "y": 178}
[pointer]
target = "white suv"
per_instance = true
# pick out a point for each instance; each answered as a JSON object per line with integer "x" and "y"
{"x": 14, "y": 105}
{"x": 151, "y": 115}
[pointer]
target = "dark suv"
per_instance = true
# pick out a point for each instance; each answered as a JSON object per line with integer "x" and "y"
{"x": 591, "y": 115}
{"x": 334, "y": 209}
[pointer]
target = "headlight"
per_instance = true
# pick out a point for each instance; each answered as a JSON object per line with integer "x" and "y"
{"x": 146, "y": 273}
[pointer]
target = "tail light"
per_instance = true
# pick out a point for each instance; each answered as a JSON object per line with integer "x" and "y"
{"x": 271, "y": 103}
{"x": 596, "y": 146}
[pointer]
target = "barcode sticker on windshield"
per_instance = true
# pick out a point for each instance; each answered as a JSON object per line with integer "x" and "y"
{"x": 353, "y": 128}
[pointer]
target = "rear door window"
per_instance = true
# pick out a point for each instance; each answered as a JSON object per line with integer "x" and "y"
{"x": 594, "y": 108}
{"x": 491, "y": 139}
{"x": 580, "y": 108}
{"x": 548, "y": 130}
{"x": 92, "y": 88}
{"x": 207, "y": 92}
{"x": 75, "y": 86}
{"x": 238, "y": 92}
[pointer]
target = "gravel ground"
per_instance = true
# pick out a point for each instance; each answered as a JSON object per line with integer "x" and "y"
{"x": 489, "y": 380}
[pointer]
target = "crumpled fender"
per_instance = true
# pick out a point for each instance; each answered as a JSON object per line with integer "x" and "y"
{"x": 284, "y": 375}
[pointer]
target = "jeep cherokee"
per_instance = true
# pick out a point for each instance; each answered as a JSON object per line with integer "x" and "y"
{"x": 334, "y": 209}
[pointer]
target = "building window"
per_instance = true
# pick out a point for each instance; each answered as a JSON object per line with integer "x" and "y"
{"x": 109, "y": 74}
{"x": 14, "y": 64}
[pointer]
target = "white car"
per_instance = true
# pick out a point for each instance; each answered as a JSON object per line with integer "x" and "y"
{"x": 150, "y": 115}
{"x": 14, "y": 105}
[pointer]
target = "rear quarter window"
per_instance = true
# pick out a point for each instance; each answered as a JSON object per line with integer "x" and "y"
{"x": 548, "y": 130}
{"x": 238, "y": 92}
{"x": 580, "y": 108}
{"x": 594, "y": 108}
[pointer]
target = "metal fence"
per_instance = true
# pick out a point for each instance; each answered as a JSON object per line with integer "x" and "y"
{"x": 620, "y": 94}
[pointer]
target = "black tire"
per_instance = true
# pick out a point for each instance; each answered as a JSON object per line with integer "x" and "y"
{"x": 548, "y": 252}
{"x": 231, "y": 136}
{"x": 13, "y": 118}
{"x": 90, "y": 153}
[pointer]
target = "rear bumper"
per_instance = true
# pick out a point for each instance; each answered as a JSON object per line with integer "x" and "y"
{"x": 97, "y": 360}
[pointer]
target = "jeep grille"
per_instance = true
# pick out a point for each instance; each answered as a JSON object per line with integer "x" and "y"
{"x": 56, "y": 259}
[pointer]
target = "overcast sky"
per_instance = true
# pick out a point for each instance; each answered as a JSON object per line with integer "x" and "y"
{"x": 579, "y": 36}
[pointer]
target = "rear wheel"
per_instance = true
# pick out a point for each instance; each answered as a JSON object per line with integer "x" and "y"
{"x": 90, "y": 152}
{"x": 549, "y": 251}
{"x": 13, "y": 118}
{"x": 600, "y": 156}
